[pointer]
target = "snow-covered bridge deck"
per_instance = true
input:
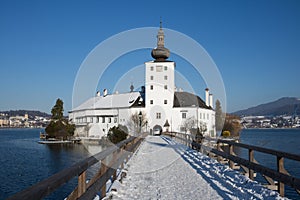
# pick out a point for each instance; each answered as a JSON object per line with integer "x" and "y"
{"x": 164, "y": 169}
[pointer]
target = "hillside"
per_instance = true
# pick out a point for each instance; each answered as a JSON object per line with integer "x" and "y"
{"x": 282, "y": 106}
{"x": 31, "y": 113}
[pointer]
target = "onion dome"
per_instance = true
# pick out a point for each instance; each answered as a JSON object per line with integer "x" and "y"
{"x": 160, "y": 53}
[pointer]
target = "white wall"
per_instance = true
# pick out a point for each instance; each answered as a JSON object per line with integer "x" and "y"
{"x": 155, "y": 77}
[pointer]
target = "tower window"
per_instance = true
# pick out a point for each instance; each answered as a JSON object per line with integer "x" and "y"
{"x": 183, "y": 115}
{"x": 166, "y": 87}
{"x": 151, "y": 68}
{"x": 165, "y": 101}
{"x": 151, "y": 78}
{"x": 151, "y": 101}
{"x": 151, "y": 87}
{"x": 158, "y": 115}
{"x": 166, "y": 77}
{"x": 159, "y": 68}
{"x": 166, "y": 68}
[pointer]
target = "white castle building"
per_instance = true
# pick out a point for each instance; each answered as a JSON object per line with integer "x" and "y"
{"x": 164, "y": 108}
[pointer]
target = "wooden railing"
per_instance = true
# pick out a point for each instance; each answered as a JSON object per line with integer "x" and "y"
{"x": 213, "y": 148}
{"x": 110, "y": 160}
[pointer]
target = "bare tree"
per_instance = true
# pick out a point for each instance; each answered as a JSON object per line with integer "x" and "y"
{"x": 138, "y": 120}
{"x": 189, "y": 124}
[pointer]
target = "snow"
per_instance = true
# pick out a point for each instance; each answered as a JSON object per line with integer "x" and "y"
{"x": 164, "y": 169}
{"x": 110, "y": 101}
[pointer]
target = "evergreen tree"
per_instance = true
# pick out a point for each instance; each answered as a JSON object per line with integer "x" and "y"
{"x": 58, "y": 110}
{"x": 59, "y": 127}
{"x": 219, "y": 116}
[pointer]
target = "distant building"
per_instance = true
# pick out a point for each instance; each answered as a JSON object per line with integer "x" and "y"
{"x": 4, "y": 121}
{"x": 165, "y": 108}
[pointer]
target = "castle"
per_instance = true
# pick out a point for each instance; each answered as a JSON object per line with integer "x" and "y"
{"x": 161, "y": 106}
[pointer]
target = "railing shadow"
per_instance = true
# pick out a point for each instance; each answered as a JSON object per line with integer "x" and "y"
{"x": 226, "y": 182}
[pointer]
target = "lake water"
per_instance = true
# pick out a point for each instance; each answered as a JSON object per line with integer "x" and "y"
{"x": 287, "y": 140}
{"x": 24, "y": 162}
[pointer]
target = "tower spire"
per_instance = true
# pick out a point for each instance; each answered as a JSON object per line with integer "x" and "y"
{"x": 160, "y": 23}
{"x": 160, "y": 53}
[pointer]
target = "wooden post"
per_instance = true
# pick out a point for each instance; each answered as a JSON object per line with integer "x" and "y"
{"x": 81, "y": 184}
{"x": 280, "y": 168}
{"x": 103, "y": 170}
{"x": 251, "y": 159}
{"x": 114, "y": 158}
{"x": 219, "y": 158}
{"x": 231, "y": 163}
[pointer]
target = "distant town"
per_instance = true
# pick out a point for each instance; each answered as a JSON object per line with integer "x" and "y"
{"x": 21, "y": 119}
{"x": 40, "y": 120}
{"x": 282, "y": 121}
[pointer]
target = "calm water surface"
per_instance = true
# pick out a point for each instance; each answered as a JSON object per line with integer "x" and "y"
{"x": 287, "y": 140}
{"x": 25, "y": 162}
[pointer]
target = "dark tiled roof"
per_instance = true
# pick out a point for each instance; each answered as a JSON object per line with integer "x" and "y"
{"x": 185, "y": 99}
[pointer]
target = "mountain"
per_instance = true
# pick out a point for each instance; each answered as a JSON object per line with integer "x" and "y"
{"x": 31, "y": 113}
{"x": 282, "y": 106}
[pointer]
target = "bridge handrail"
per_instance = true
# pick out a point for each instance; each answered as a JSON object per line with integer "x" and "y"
{"x": 281, "y": 175}
{"x": 50, "y": 184}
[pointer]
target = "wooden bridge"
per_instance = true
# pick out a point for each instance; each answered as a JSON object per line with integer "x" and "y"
{"x": 213, "y": 147}
{"x": 116, "y": 156}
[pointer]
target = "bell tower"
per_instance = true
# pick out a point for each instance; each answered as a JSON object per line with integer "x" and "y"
{"x": 160, "y": 83}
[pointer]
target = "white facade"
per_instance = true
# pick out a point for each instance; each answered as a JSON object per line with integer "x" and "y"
{"x": 160, "y": 86}
{"x": 165, "y": 108}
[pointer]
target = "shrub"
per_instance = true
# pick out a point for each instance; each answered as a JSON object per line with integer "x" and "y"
{"x": 226, "y": 133}
{"x": 116, "y": 134}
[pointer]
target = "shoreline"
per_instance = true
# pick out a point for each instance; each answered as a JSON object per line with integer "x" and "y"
{"x": 270, "y": 128}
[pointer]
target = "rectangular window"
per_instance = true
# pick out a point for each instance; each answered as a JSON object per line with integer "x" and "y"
{"x": 97, "y": 119}
{"x": 166, "y": 77}
{"x": 183, "y": 115}
{"x": 151, "y": 101}
{"x": 159, "y": 68}
{"x": 91, "y": 119}
{"x": 158, "y": 115}
{"x": 151, "y": 78}
{"x": 109, "y": 120}
{"x": 151, "y": 68}
{"x": 200, "y": 116}
{"x": 151, "y": 87}
{"x": 166, "y": 68}
{"x": 166, "y": 87}
{"x": 165, "y": 101}
{"x": 103, "y": 119}
{"x": 115, "y": 120}
{"x": 207, "y": 116}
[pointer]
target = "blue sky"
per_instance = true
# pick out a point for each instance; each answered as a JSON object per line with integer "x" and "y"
{"x": 255, "y": 44}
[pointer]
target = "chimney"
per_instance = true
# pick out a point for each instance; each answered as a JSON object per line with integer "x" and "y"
{"x": 104, "y": 92}
{"x": 98, "y": 94}
{"x": 211, "y": 103}
{"x": 207, "y": 97}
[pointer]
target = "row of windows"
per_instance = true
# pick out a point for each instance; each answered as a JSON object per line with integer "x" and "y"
{"x": 159, "y": 68}
{"x": 98, "y": 119}
{"x": 152, "y": 78}
{"x": 202, "y": 115}
{"x": 165, "y": 102}
{"x": 152, "y": 87}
